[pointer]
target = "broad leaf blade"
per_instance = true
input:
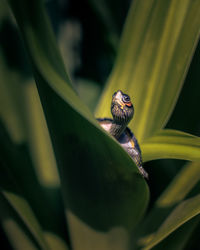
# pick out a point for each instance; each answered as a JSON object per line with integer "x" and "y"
{"x": 95, "y": 177}
{"x": 171, "y": 144}
{"x": 153, "y": 59}
{"x": 101, "y": 184}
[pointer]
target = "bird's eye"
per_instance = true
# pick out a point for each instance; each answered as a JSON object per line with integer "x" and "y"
{"x": 126, "y": 98}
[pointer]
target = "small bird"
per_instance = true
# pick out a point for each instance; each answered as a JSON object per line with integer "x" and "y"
{"x": 122, "y": 111}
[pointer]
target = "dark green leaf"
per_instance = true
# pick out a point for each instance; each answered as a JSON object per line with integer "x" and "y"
{"x": 178, "y": 239}
{"x": 185, "y": 211}
{"x": 178, "y": 190}
{"x": 15, "y": 227}
{"x": 101, "y": 184}
{"x": 18, "y": 184}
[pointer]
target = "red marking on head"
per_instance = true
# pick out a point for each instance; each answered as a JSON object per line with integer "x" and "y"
{"x": 129, "y": 104}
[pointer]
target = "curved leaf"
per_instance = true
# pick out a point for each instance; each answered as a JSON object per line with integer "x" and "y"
{"x": 171, "y": 144}
{"x": 24, "y": 204}
{"x": 181, "y": 214}
{"x": 153, "y": 59}
{"x": 22, "y": 227}
{"x": 101, "y": 184}
{"x": 181, "y": 185}
{"x": 19, "y": 237}
{"x": 38, "y": 138}
{"x": 27, "y": 216}
{"x": 178, "y": 189}
{"x": 178, "y": 239}
{"x": 55, "y": 242}
{"x": 11, "y": 111}
{"x": 15, "y": 214}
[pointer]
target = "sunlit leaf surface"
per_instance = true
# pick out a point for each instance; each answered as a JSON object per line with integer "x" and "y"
{"x": 154, "y": 56}
{"x": 171, "y": 144}
{"x": 38, "y": 138}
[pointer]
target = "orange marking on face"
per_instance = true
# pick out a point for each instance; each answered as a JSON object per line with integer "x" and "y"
{"x": 129, "y": 104}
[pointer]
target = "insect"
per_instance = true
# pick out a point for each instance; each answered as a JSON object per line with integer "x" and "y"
{"x": 122, "y": 111}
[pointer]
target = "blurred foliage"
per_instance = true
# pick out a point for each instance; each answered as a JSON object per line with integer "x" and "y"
{"x": 59, "y": 170}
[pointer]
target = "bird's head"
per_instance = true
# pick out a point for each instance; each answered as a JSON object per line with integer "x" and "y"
{"x": 121, "y": 107}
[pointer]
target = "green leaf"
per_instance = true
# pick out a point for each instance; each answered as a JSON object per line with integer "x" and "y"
{"x": 171, "y": 144}
{"x": 21, "y": 226}
{"x": 16, "y": 216}
{"x": 26, "y": 215}
{"x": 101, "y": 184}
{"x": 185, "y": 211}
{"x": 11, "y": 108}
{"x": 181, "y": 185}
{"x": 38, "y": 138}
{"x": 16, "y": 162}
{"x": 178, "y": 239}
{"x": 18, "y": 236}
{"x": 23, "y": 200}
{"x": 178, "y": 189}
{"x": 55, "y": 242}
{"x": 154, "y": 56}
